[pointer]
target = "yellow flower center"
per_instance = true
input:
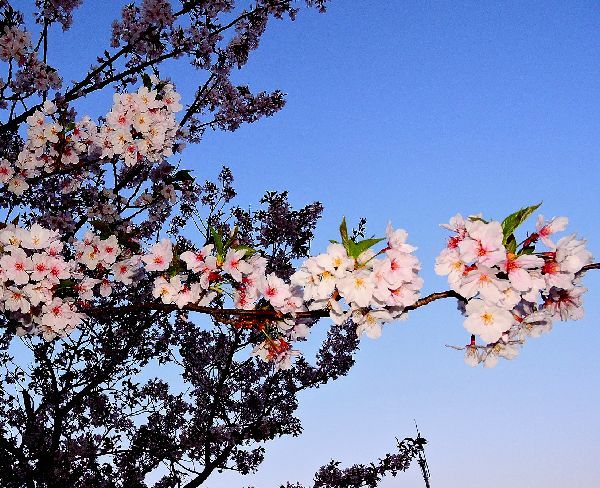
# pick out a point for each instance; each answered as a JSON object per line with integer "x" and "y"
{"x": 488, "y": 318}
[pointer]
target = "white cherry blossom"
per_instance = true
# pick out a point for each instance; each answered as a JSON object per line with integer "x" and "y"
{"x": 487, "y": 321}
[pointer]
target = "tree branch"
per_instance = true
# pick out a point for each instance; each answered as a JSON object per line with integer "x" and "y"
{"x": 220, "y": 313}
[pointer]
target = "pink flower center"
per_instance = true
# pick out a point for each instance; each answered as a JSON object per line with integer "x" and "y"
{"x": 453, "y": 242}
{"x": 550, "y": 267}
{"x": 511, "y": 264}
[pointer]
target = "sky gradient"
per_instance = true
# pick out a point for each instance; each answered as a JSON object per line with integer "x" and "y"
{"x": 412, "y": 112}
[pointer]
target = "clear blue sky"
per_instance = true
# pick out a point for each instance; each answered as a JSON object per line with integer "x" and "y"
{"x": 413, "y": 111}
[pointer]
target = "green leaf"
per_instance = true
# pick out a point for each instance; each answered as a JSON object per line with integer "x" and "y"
{"x": 476, "y": 218}
{"x": 333, "y": 241}
{"x": 354, "y": 249}
{"x": 511, "y": 244}
{"x": 344, "y": 233}
{"x": 218, "y": 242}
{"x": 514, "y": 220}
{"x": 357, "y": 248}
{"x": 528, "y": 250}
{"x": 66, "y": 283}
{"x": 65, "y": 289}
{"x": 362, "y": 246}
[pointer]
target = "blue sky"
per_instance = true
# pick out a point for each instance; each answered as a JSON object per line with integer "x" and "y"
{"x": 413, "y": 111}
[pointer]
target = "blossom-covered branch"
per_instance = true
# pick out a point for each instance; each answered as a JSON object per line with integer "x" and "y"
{"x": 50, "y": 295}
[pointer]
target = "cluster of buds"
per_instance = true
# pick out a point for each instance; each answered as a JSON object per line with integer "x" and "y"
{"x": 513, "y": 291}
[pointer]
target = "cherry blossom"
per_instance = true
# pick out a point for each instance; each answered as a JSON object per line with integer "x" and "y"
{"x": 159, "y": 257}
{"x": 370, "y": 323}
{"x": 16, "y": 266}
{"x": 235, "y": 265}
{"x": 520, "y": 294}
{"x": 546, "y": 229}
{"x": 195, "y": 261}
{"x": 275, "y": 290}
{"x": 483, "y": 243}
{"x": 277, "y": 351}
{"x": 140, "y": 127}
{"x": 487, "y": 321}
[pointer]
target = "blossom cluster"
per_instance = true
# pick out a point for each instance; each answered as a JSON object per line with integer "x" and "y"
{"x": 31, "y": 268}
{"x": 14, "y": 44}
{"x": 140, "y": 126}
{"x": 512, "y": 291}
{"x": 369, "y": 288}
{"x": 27, "y": 73}
{"x": 46, "y": 285}
{"x": 375, "y": 288}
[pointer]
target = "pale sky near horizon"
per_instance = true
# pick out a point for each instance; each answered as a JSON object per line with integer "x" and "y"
{"x": 414, "y": 111}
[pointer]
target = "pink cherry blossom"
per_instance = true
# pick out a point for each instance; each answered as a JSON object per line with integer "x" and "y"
{"x": 275, "y": 290}
{"x": 16, "y": 265}
{"x": 160, "y": 256}
{"x": 235, "y": 265}
{"x": 546, "y": 229}
{"x": 483, "y": 243}
{"x": 195, "y": 260}
{"x": 516, "y": 268}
